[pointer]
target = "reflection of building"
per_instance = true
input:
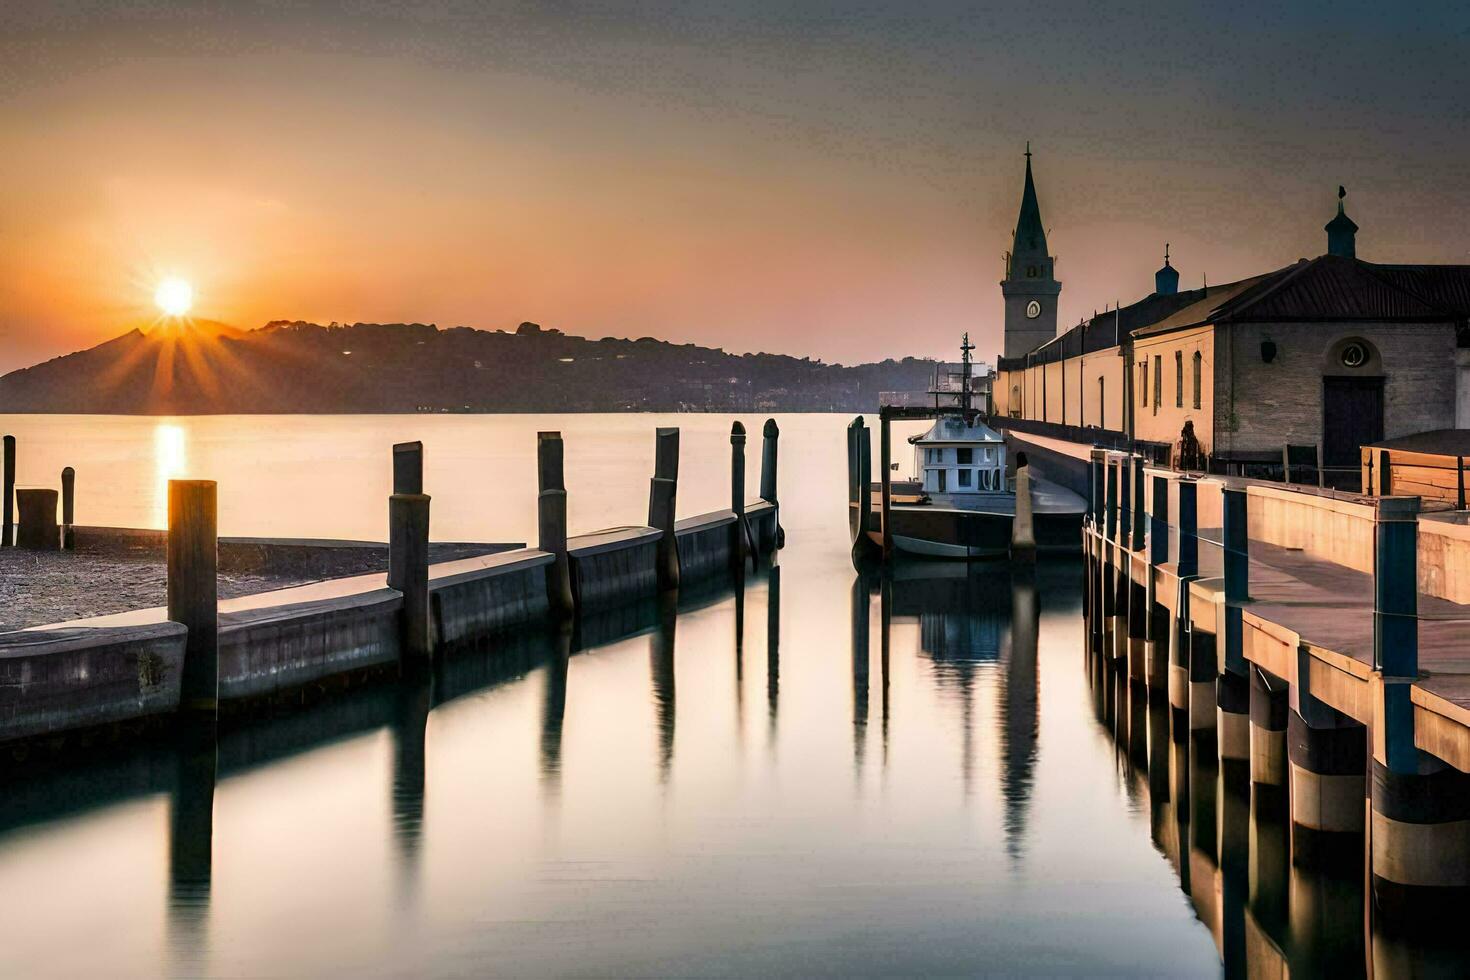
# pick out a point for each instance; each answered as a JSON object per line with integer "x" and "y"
{"x": 1332, "y": 351}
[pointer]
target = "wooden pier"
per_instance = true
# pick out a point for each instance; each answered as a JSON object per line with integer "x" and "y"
{"x": 1312, "y": 642}
{"x": 201, "y": 656}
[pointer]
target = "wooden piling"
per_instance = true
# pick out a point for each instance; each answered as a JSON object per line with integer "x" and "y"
{"x": 408, "y": 467}
{"x": 408, "y": 572}
{"x": 1023, "y": 528}
{"x": 770, "y": 435}
{"x": 1236, "y": 562}
{"x": 1187, "y": 562}
{"x": 740, "y": 543}
{"x": 37, "y": 529}
{"x": 68, "y": 508}
{"x": 7, "y": 513}
{"x": 193, "y": 596}
{"x": 1139, "y": 511}
{"x": 551, "y": 514}
{"x": 885, "y": 484}
{"x": 662, "y": 494}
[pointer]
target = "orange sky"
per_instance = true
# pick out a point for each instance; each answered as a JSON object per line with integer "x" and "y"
{"x": 822, "y": 182}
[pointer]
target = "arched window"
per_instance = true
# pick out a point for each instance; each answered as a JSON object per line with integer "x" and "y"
{"x": 1015, "y": 401}
{"x": 1102, "y": 403}
{"x": 1198, "y": 361}
{"x": 1179, "y": 379}
{"x": 1143, "y": 382}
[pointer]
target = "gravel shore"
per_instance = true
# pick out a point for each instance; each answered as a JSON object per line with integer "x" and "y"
{"x": 38, "y": 588}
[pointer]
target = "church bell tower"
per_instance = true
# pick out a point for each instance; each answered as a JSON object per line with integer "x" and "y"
{"x": 1030, "y": 288}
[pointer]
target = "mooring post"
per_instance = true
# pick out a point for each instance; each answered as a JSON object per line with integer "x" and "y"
{"x": 1158, "y": 527}
{"x": 193, "y": 596}
{"x": 1396, "y": 623}
{"x": 7, "y": 513}
{"x": 1096, "y": 470}
{"x": 662, "y": 492}
{"x": 770, "y": 434}
{"x": 68, "y": 507}
{"x": 408, "y": 572}
{"x": 885, "y": 484}
{"x": 1187, "y": 564}
{"x": 1419, "y": 804}
{"x": 1139, "y": 511}
{"x": 1110, "y": 500}
{"x": 408, "y": 467}
{"x": 1023, "y": 528}
{"x": 551, "y": 513}
{"x": 1156, "y": 626}
{"x": 1236, "y": 562}
{"x": 740, "y": 543}
{"x": 1125, "y": 499}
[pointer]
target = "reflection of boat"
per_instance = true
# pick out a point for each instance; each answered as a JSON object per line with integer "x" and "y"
{"x": 977, "y": 627}
{"x": 963, "y": 503}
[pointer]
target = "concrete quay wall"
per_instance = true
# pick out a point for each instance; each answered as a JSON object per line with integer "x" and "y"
{"x": 126, "y": 668}
{"x": 61, "y": 679}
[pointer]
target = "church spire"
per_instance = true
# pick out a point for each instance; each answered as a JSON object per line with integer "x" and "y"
{"x": 1030, "y": 233}
{"x": 1030, "y": 287}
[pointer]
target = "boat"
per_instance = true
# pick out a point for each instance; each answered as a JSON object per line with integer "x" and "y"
{"x": 962, "y": 503}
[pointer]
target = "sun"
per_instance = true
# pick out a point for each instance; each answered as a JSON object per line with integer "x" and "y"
{"x": 174, "y": 296}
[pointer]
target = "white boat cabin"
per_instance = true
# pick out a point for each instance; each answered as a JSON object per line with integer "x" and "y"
{"x": 953, "y": 457}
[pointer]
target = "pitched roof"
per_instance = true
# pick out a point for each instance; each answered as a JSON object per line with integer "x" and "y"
{"x": 1330, "y": 287}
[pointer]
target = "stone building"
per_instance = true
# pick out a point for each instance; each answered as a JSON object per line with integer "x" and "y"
{"x": 1332, "y": 352}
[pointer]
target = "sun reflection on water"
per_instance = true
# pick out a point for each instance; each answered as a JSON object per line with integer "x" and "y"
{"x": 170, "y": 459}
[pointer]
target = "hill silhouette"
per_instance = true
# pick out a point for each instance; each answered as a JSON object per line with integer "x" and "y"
{"x": 199, "y": 367}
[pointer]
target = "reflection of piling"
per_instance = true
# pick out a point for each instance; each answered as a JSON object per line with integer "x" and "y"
{"x": 410, "y": 726}
{"x": 1019, "y": 709}
{"x": 554, "y": 705}
{"x": 662, "y": 493}
{"x": 769, "y": 436}
{"x": 7, "y": 511}
{"x": 408, "y": 572}
{"x": 661, "y": 657}
{"x": 68, "y": 508}
{"x": 859, "y": 668}
{"x": 191, "y": 846}
{"x": 551, "y": 513}
{"x": 193, "y": 596}
{"x": 773, "y": 642}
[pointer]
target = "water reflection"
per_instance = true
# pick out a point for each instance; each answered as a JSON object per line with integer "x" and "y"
{"x": 1276, "y": 903}
{"x": 562, "y": 839}
{"x": 414, "y": 698}
{"x": 661, "y": 667}
{"x": 191, "y": 848}
{"x": 974, "y": 621}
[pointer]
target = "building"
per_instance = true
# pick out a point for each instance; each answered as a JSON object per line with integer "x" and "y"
{"x": 1332, "y": 352}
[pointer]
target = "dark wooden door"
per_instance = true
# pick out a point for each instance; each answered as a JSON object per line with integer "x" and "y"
{"x": 1352, "y": 416}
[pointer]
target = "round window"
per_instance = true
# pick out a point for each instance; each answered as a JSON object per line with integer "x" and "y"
{"x": 1354, "y": 355}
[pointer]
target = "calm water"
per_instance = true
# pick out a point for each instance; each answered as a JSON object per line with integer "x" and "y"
{"x": 806, "y": 775}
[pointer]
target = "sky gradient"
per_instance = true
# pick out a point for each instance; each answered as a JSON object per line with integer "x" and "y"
{"x": 832, "y": 180}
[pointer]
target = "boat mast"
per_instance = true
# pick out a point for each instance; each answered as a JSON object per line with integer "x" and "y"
{"x": 965, "y": 348}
